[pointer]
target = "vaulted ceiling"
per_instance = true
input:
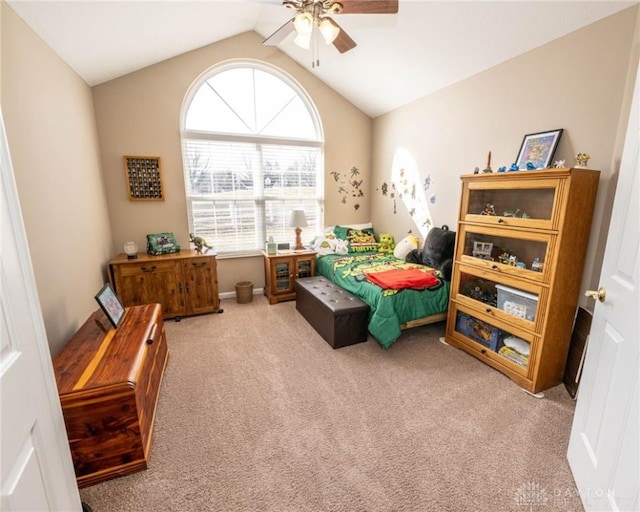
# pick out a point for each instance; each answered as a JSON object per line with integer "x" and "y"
{"x": 400, "y": 57}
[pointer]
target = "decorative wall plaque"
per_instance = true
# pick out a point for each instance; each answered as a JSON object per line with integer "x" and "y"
{"x": 144, "y": 178}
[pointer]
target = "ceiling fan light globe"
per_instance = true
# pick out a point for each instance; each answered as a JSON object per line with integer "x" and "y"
{"x": 303, "y": 41}
{"x": 303, "y": 23}
{"x": 328, "y": 30}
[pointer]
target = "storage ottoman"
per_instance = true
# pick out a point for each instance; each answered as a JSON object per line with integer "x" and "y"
{"x": 338, "y": 316}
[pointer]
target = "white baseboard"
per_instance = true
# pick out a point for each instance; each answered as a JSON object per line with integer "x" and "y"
{"x": 232, "y": 295}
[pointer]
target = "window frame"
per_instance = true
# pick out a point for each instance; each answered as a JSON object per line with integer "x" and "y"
{"x": 216, "y": 136}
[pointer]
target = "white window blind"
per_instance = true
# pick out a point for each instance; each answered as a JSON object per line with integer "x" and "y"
{"x": 244, "y": 169}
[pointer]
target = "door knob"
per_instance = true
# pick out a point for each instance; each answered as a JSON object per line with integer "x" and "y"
{"x": 599, "y": 294}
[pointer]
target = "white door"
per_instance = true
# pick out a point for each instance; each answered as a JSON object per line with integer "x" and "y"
{"x": 36, "y": 468}
{"x": 604, "y": 449}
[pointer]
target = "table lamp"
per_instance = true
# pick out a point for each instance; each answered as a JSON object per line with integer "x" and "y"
{"x": 298, "y": 220}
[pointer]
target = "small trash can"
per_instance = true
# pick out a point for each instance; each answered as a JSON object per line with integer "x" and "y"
{"x": 244, "y": 292}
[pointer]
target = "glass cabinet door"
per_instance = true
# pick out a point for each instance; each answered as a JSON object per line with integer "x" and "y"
{"x": 283, "y": 273}
{"x": 510, "y": 300}
{"x": 305, "y": 268}
{"x": 501, "y": 342}
{"x": 518, "y": 253}
{"x": 502, "y": 202}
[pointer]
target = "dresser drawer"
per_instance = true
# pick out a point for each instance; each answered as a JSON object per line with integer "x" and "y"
{"x": 135, "y": 269}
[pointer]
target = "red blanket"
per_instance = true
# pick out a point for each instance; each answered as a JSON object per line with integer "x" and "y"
{"x": 403, "y": 278}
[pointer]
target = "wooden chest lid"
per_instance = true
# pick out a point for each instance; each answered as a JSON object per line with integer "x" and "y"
{"x": 97, "y": 357}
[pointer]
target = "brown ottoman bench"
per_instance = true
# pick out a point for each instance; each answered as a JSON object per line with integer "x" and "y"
{"x": 338, "y": 316}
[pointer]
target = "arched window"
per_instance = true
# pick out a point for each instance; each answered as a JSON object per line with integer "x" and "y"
{"x": 253, "y": 152}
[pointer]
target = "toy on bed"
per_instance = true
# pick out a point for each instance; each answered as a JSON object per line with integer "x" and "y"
{"x": 329, "y": 244}
{"x": 405, "y": 246}
{"x": 437, "y": 251}
{"x": 387, "y": 243}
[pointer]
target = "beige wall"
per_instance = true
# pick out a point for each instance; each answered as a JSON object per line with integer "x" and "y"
{"x": 139, "y": 114}
{"x": 578, "y": 83}
{"x": 48, "y": 113}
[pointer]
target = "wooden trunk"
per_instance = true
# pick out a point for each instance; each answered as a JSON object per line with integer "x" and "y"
{"x": 109, "y": 382}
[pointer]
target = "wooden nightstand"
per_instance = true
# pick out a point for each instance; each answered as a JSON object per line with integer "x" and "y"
{"x": 282, "y": 270}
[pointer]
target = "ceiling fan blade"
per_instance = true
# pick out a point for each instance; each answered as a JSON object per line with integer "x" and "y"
{"x": 368, "y": 6}
{"x": 279, "y": 35}
{"x": 343, "y": 42}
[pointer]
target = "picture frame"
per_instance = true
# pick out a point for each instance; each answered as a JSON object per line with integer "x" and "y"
{"x": 110, "y": 305}
{"x": 538, "y": 148}
{"x": 144, "y": 178}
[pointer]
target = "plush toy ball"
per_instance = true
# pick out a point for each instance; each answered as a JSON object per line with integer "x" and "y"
{"x": 405, "y": 246}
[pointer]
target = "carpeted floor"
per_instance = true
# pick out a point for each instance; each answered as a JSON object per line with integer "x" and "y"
{"x": 258, "y": 413}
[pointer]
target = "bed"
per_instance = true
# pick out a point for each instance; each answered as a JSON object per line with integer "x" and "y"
{"x": 394, "y": 306}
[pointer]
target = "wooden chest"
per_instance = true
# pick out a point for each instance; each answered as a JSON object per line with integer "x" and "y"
{"x": 109, "y": 382}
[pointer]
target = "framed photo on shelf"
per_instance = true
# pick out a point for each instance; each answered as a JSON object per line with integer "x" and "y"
{"x": 538, "y": 149}
{"x": 110, "y": 304}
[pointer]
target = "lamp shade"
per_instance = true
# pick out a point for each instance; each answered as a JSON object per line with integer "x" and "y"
{"x": 303, "y": 40}
{"x": 298, "y": 219}
{"x": 303, "y": 23}
{"x": 328, "y": 30}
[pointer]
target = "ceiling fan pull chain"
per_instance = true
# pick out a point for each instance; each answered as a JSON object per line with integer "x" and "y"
{"x": 315, "y": 61}
{"x": 317, "y": 47}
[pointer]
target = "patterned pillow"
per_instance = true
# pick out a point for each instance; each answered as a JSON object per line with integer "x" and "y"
{"x": 325, "y": 244}
{"x": 362, "y": 240}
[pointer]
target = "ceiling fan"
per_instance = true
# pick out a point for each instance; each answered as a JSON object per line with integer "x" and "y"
{"x": 312, "y": 16}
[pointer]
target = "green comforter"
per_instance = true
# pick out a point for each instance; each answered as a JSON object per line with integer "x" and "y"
{"x": 389, "y": 308}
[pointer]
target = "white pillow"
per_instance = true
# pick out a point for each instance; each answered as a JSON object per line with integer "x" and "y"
{"x": 405, "y": 246}
{"x": 518, "y": 344}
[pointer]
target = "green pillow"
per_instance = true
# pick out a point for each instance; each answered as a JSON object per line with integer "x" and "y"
{"x": 340, "y": 232}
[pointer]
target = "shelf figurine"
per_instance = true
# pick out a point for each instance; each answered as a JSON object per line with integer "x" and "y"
{"x": 582, "y": 159}
{"x": 488, "y": 210}
{"x": 537, "y": 265}
{"x": 488, "y": 169}
{"x": 199, "y": 243}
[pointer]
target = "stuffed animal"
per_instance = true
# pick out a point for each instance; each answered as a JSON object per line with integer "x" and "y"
{"x": 405, "y": 246}
{"x": 386, "y": 243}
{"x": 437, "y": 251}
{"x": 341, "y": 247}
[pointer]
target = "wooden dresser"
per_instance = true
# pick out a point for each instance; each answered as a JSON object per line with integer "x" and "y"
{"x": 109, "y": 382}
{"x": 183, "y": 283}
